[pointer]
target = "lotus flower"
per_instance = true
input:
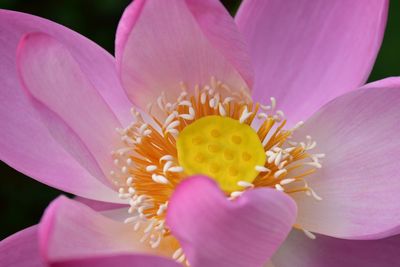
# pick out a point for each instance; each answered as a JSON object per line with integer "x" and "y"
{"x": 207, "y": 140}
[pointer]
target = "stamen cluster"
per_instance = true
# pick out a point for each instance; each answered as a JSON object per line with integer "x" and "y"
{"x": 148, "y": 161}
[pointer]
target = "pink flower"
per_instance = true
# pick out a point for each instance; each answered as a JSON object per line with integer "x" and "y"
{"x": 185, "y": 66}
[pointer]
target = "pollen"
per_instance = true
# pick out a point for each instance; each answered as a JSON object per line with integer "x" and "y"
{"x": 222, "y": 148}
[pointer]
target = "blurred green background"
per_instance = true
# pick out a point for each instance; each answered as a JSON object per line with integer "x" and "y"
{"x": 22, "y": 200}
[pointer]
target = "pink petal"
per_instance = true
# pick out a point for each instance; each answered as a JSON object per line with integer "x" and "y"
{"x": 305, "y": 52}
{"x": 127, "y": 260}
{"x": 71, "y": 230}
{"x": 65, "y": 98}
{"x": 98, "y": 205}
{"x": 300, "y": 251}
{"x": 220, "y": 28}
{"x": 391, "y": 82}
{"x": 214, "y": 231}
{"x": 21, "y": 249}
{"x": 94, "y": 61}
{"x": 25, "y": 142}
{"x": 114, "y": 211}
{"x": 162, "y": 43}
{"x": 359, "y": 180}
{"x": 117, "y": 214}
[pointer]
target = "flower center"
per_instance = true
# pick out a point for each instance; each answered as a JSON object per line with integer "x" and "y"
{"x": 212, "y": 130}
{"x": 222, "y": 148}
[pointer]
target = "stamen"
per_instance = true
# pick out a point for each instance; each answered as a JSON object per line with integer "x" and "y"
{"x": 279, "y": 188}
{"x": 262, "y": 169}
{"x": 245, "y": 115}
{"x": 177, "y": 253}
{"x": 129, "y": 180}
{"x": 287, "y": 181}
{"x": 236, "y": 194}
{"x": 159, "y": 179}
{"x": 222, "y": 111}
{"x": 176, "y": 169}
{"x": 170, "y": 118}
{"x": 151, "y": 168}
{"x": 167, "y": 165}
{"x": 245, "y": 184}
{"x": 166, "y": 157}
{"x": 309, "y": 234}
{"x": 279, "y": 173}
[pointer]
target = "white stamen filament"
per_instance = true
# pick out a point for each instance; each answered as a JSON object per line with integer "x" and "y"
{"x": 159, "y": 179}
{"x": 279, "y": 188}
{"x": 176, "y": 169}
{"x": 309, "y": 234}
{"x": 245, "y": 184}
{"x": 279, "y": 173}
{"x": 287, "y": 181}
{"x": 262, "y": 169}
{"x": 151, "y": 168}
{"x": 166, "y": 157}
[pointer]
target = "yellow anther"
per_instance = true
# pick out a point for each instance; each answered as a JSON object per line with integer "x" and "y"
{"x": 221, "y": 148}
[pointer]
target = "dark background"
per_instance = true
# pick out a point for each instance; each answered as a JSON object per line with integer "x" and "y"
{"x": 22, "y": 200}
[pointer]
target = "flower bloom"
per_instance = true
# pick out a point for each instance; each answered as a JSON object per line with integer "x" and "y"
{"x": 208, "y": 140}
